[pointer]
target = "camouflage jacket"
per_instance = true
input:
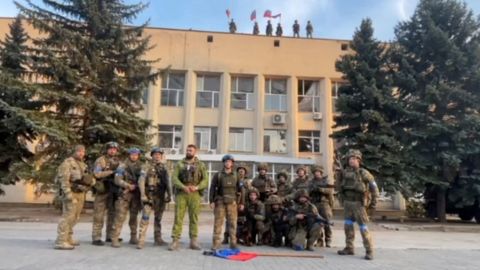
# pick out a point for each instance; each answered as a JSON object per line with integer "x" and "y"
{"x": 128, "y": 173}
{"x": 69, "y": 171}
{"x": 154, "y": 180}
{"x": 321, "y": 191}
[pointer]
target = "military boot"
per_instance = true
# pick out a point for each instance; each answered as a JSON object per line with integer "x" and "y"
{"x": 233, "y": 245}
{"x": 98, "y": 243}
{"x": 115, "y": 243}
{"x": 194, "y": 244}
{"x": 225, "y": 238}
{"x": 73, "y": 242}
{"x": 63, "y": 246}
{"x": 369, "y": 255}
{"x": 140, "y": 244}
{"x": 216, "y": 245}
{"x": 133, "y": 239}
{"x": 328, "y": 244}
{"x": 319, "y": 243}
{"x": 159, "y": 241}
{"x": 346, "y": 251}
{"x": 175, "y": 245}
{"x": 310, "y": 244}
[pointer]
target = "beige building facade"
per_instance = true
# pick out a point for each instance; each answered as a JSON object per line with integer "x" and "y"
{"x": 262, "y": 99}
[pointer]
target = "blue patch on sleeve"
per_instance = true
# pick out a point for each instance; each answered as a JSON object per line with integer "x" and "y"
{"x": 145, "y": 217}
{"x": 98, "y": 169}
{"x": 120, "y": 171}
{"x": 348, "y": 222}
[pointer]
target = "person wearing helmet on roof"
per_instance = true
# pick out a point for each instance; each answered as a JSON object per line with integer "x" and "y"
{"x": 322, "y": 196}
{"x": 264, "y": 183}
{"x": 224, "y": 196}
{"x": 155, "y": 193}
{"x": 126, "y": 178}
{"x": 355, "y": 184}
{"x": 105, "y": 193}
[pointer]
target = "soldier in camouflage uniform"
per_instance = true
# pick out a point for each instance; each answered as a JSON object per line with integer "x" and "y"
{"x": 255, "y": 218}
{"x": 302, "y": 219}
{"x": 263, "y": 183}
{"x": 322, "y": 196}
{"x": 73, "y": 182}
{"x": 155, "y": 193}
{"x": 126, "y": 178}
{"x": 104, "y": 189}
{"x": 355, "y": 184}
{"x": 301, "y": 182}
{"x": 276, "y": 222}
{"x": 224, "y": 195}
{"x": 190, "y": 179}
{"x": 284, "y": 187}
{"x": 245, "y": 184}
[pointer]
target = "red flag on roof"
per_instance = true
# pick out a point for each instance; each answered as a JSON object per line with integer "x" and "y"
{"x": 253, "y": 16}
{"x": 267, "y": 14}
{"x": 228, "y": 13}
{"x": 276, "y": 16}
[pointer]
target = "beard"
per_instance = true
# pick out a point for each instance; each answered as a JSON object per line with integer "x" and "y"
{"x": 189, "y": 156}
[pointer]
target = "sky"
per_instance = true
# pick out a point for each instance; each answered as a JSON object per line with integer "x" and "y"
{"x": 333, "y": 19}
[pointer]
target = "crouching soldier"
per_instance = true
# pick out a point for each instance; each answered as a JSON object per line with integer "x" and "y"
{"x": 155, "y": 193}
{"x": 73, "y": 182}
{"x": 321, "y": 193}
{"x": 304, "y": 219}
{"x": 276, "y": 222}
{"x": 255, "y": 217}
{"x": 126, "y": 177}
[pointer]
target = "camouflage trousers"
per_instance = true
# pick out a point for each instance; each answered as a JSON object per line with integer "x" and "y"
{"x": 70, "y": 216}
{"x": 158, "y": 208}
{"x": 325, "y": 210}
{"x": 300, "y": 233}
{"x": 103, "y": 203}
{"x": 184, "y": 202}
{"x": 256, "y": 229}
{"x": 127, "y": 203}
{"x": 221, "y": 211}
{"x": 355, "y": 212}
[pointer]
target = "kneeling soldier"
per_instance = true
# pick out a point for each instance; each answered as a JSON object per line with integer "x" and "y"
{"x": 276, "y": 222}
{"x": 304, "y": 219}
{"x": 255, "y": 217}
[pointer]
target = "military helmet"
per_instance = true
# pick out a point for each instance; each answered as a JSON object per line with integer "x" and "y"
{"x": 133, "y": 150}
{"x": 274, "y": 199}
{"x": 228, "y": 157}
{"x": 242, "y": 166}
{"x": 301, "y": 167}
{"x": 354, "y": 153}
{"x": 156, "y": 150}
{"x": 112, "y": 144}
{"x": 253, "y": 190}
{"x": 282, "y": 173}
{"x": 262, "y": 166}
{"x": 317, "y": 168}
{"x": 302, "y": 193}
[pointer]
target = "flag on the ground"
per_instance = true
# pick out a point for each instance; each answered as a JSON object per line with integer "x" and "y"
{"x": 228, "y": 13}
{"x": 234, "y": 254}
{"x": 253, "y": 16}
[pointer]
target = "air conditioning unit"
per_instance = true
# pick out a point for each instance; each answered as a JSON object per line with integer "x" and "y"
{"x": 170, "y": 151}
{"x": 212, "y": 152}
{"x": 278, "y": 119}
{"x": 317, "y": 116}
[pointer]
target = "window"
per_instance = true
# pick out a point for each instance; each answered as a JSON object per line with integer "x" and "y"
{"x": 308, "y": 96}
{"x": 173, "y": 87}
{"x": 170, "y": 136}
{"x": 206, "y": 138}
{"x": 275, "y": 141}
{"x": 335, "y": 92}
{"x": 145, "y": 96}
{"x": 208, "y": 89}
{"x": 241, "y": 139}
{"x": 276, "y": 95}
{"x": 242, "y": 93}
{"x": 309, "y": 141}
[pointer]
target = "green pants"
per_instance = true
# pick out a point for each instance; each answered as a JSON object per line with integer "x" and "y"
{"x": 184, "y": 202}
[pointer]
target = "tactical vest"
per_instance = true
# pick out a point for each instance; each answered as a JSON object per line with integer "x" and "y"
{"x": 154, "y": 182}
{"x": 300, "y": 184}
{"x": 353, "y": 186}
{"x": 227, "y": 187}
{"x": 190, "y": 173}
{"x": 261, "y": 183}
{"x": 133, "y": 171}
{"x": 315, "y": 195}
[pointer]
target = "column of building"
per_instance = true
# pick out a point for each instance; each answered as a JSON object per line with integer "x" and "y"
{"x": 189, "y": 108}
{"x": 260, "y": 109}
{"x": 224, "y": 125}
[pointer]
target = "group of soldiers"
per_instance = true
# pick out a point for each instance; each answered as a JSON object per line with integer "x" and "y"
{"x": 261, "y": 211}
{"x": 278, "y": 31}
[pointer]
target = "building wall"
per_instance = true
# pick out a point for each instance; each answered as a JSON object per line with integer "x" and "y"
{"x": 230, "y": 55}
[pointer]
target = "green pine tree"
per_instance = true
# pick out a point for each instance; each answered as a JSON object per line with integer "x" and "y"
{"x": 437, "y": 71}
{"x": 368, "y": 110}
{"x": 93, "y": 67}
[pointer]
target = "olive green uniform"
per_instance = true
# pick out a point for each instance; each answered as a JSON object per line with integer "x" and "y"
{"x": 265, "y": 185}
{"x": 306, "y": 229}
{"x": 225, "y": 192}
{"x": 255, "y": 221}
{"x": 299, "y": 184}
{"x": 155, "y": 191}
{"x": 128, "y": 202}
{"x": 354, "y": 187}
{"x": 72, "y": 195}
{"x": 188, "y": 173}
{"x": 104, "y": 172}
{"x": 322, "y": 196}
